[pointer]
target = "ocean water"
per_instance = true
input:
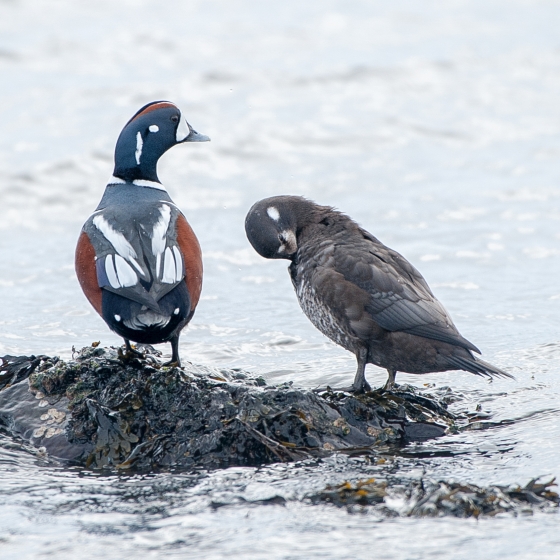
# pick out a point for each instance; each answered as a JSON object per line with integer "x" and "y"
{"x": 435, "y": 125}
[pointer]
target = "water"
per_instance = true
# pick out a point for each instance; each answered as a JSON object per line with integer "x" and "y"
{"x": 436, "y": 126}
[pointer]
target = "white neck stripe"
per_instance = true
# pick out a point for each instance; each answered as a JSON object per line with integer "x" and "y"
{"x": 138, "y": 182}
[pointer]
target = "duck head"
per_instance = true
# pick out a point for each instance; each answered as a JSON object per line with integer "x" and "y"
{"x": 154, "y": 129}
{"x": 274, "y": 224}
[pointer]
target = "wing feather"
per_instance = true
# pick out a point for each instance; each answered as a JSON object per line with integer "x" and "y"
{"x": 399, "y": 297}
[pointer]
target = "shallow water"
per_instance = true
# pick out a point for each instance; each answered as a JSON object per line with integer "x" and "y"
{"x": 437, "y": 127}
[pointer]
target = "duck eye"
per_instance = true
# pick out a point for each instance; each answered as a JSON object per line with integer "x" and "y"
{"x": 175, "y": 118}
{"x": 281, "y": 238}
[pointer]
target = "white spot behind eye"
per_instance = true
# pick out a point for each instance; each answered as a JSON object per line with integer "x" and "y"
{"x": 139, "y": 144}
{"x": 153, "y": 128}
{"x": 117, "y": 318}
{"x": 273, "y": 213}
{"x": 176, "y": 312}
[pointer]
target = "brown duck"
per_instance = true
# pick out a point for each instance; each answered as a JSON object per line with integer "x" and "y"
{"x": 360, "y": 293}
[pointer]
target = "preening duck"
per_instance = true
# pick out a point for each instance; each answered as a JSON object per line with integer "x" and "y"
{"x": 360, "y": 293}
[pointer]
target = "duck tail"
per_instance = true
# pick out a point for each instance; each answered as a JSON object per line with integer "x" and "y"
{"x": 478, "y": 367}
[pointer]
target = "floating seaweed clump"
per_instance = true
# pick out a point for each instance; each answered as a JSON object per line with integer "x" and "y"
{"x": 107, "y": 409}
{"x": 425, "y": 498}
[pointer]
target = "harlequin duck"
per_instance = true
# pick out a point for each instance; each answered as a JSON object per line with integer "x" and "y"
{"x": 362, "y": 295}
{"x": 138, "y": 261}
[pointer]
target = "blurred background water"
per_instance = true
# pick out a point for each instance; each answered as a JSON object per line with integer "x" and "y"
{"x": 435, "y": 125}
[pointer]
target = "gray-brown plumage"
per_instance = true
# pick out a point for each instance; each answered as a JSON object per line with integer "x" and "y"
{"x": 361, "y": 294}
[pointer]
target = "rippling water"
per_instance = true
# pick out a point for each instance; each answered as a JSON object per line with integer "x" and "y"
{"x": 435, "y": 125}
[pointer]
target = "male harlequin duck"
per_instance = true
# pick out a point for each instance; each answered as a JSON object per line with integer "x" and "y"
{"x": 362, "y": 295}
{"x": 138, "y": 260}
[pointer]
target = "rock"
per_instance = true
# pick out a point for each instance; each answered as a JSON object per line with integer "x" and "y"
{"x": 104, "y": 408}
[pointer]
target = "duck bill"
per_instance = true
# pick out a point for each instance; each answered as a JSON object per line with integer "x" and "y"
{"x": 194, "y": 136}
{"x": 186, "y": 133}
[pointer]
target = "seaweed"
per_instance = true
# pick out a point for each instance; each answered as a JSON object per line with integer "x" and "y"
{"x": 132, "y": 412}
{"x": 105, "y": 409}
{"x": 427, "y": 498}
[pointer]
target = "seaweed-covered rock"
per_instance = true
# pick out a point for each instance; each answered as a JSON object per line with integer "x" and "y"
{"x": 104, "y": 408}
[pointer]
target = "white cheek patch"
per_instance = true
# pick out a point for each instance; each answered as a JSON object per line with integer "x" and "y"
{"x": 183, "y": 130}
{"x": 118, "y": 318}
{"x": 176, "y": 312}
{"x": 290, "y": 244}
{"x": 153, "y": 128}
{"x": 139, "y": 144}
{"x": 273, "y": 213}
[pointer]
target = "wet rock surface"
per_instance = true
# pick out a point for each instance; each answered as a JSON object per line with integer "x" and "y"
{"x": 107, "y": 410}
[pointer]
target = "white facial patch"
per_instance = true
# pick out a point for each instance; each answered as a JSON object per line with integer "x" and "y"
{"x": 118, "y": 241}
{"x": 139, "y": 144}
{"x": 159, "y": 235}
{"x": 273, "y": 213}
{"x": 118, "y": 318}
{"x": 290, "y": 243}
{"x": 153, "y": 128}
{"x": 176, "y": 312}
{"x": 183, "y": 130}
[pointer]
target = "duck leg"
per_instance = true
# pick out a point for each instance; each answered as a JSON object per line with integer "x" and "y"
{"x": 390, "y": 385}
{"x": 175, "y": 358}
{"x": 131, "y": 351}
{"x": 360, "y": 384}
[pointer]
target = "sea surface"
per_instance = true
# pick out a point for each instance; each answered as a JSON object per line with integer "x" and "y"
{"x": 436, "y": 125}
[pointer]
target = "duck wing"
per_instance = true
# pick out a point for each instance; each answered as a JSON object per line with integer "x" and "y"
{"x": 136, "y": 252}
{"x": 399, "y": 297}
